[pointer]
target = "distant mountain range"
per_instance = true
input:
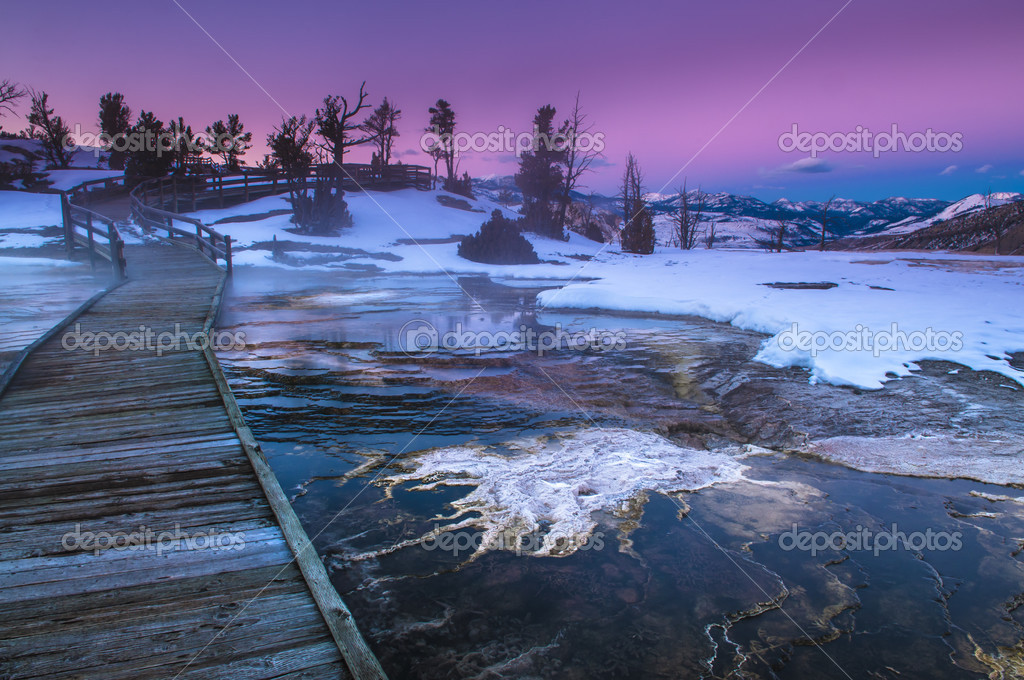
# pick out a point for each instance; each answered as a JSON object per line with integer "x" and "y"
{"x": 737, "y": 218}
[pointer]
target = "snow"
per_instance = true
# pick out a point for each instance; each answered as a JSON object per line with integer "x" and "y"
{"x": 995, "y": 460}
{"x": 72, "y": 177}
{"x": 30, "y": 262}
{"x": 22, "y": 240}
{"x": 386, "y": 224}
{"x": 972, "y": 312}
{"x": 964, "y": 206}
{"x": 933, "y": 304}
{"x": 23, "y": 210}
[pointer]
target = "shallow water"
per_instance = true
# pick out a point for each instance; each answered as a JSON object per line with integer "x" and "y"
{"x": 400, "y": 465}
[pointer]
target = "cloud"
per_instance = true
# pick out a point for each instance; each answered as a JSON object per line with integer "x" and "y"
{"x": 804, "y": 165}
{"x": 949, "y": 170}
{"x": 985, "y": 168}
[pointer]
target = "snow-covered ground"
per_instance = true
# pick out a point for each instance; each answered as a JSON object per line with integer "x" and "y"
{"x": 885, "y": 312}
{"x": 67, "y": 179}
{"x": 24, "y": 210}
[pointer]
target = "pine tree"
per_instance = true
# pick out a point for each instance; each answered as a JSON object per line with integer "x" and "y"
{"x": 146, "y": 156}
{"x": 380, "y": 126}
{"x": 229, "y": 141}
{"x": 115, "y": 122}
{"x": 442, "y": 124}
{"x": 540, "y": 177}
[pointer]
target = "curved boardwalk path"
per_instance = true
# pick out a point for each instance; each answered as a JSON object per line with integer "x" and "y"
{"x": 128, "y": 440}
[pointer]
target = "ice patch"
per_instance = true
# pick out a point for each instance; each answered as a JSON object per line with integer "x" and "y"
{"x": 554, "y": 485}
{"x": 993, "y": 459}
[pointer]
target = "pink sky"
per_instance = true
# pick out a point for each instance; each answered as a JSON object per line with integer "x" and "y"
{"x": 660, "y": 79}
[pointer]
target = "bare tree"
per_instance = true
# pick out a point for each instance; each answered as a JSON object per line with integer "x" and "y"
{"x": 576, "y": 160}
{"x": 10, "y": 94}
{"x": 710, "y": 233}
{"x": 824, "y": 221}
{"x": 290, "y": 150}
{"x": 637, "y": 235}
{"x": 687, "y": 218}
{"x": 335, "y": 123}
{"x": 774, "y": 239}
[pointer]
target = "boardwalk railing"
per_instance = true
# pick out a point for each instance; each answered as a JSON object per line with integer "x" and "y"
{"x": 207, "y": 241}
{"x": 157, "y": 204}
{"x": 96, "y": 233}
{"x": 190, "y": 193}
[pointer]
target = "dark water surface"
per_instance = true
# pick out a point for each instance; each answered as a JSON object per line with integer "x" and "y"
{"x": 670, "y": 585}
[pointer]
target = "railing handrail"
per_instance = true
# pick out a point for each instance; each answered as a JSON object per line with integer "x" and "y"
{"x": 113, "y": 251}
{"x": 191, "y": 188}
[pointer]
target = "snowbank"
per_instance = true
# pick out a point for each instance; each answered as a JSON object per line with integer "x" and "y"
{"x": 885, "y": 313}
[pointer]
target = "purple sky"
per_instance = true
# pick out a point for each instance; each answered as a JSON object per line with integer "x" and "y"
{"x": 659, "y": 79}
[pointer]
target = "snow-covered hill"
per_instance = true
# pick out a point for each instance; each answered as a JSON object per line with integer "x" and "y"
{"x": 737, "y": 218}
{"x": 964, "y": 206}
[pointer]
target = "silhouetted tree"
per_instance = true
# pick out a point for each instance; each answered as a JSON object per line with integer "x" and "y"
{"x": 51, "y": 130}
{"x": 229, "y": 141}
{"x": 335, "y": 123}
{"x": 577, "y": 160}
{"x": 442, "y": 124}
{"x": 380, "y": 126}
{"x": 540, "y": 176}
{"x": 10, "y": 94}
{"x": 115, "y": 122}
{"x": 146, "y": 156}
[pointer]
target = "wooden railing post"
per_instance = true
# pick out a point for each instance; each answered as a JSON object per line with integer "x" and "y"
{"x": 174, "y": 188}
{"x": 193, "y": 183}
{"x": 92, "y": 242}
{"x": 227, "y": 254}
{"x": 69, "y": 228}
{"x": 245, "y": 180}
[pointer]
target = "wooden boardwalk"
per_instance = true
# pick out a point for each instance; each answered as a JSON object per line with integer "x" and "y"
{"x": 129, "y": 441}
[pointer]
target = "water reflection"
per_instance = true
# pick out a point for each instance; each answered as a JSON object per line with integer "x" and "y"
{"x": 683, "y": 584}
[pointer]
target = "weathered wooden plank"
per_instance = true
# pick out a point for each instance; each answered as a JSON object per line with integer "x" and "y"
{"x": 117, "y": 441}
